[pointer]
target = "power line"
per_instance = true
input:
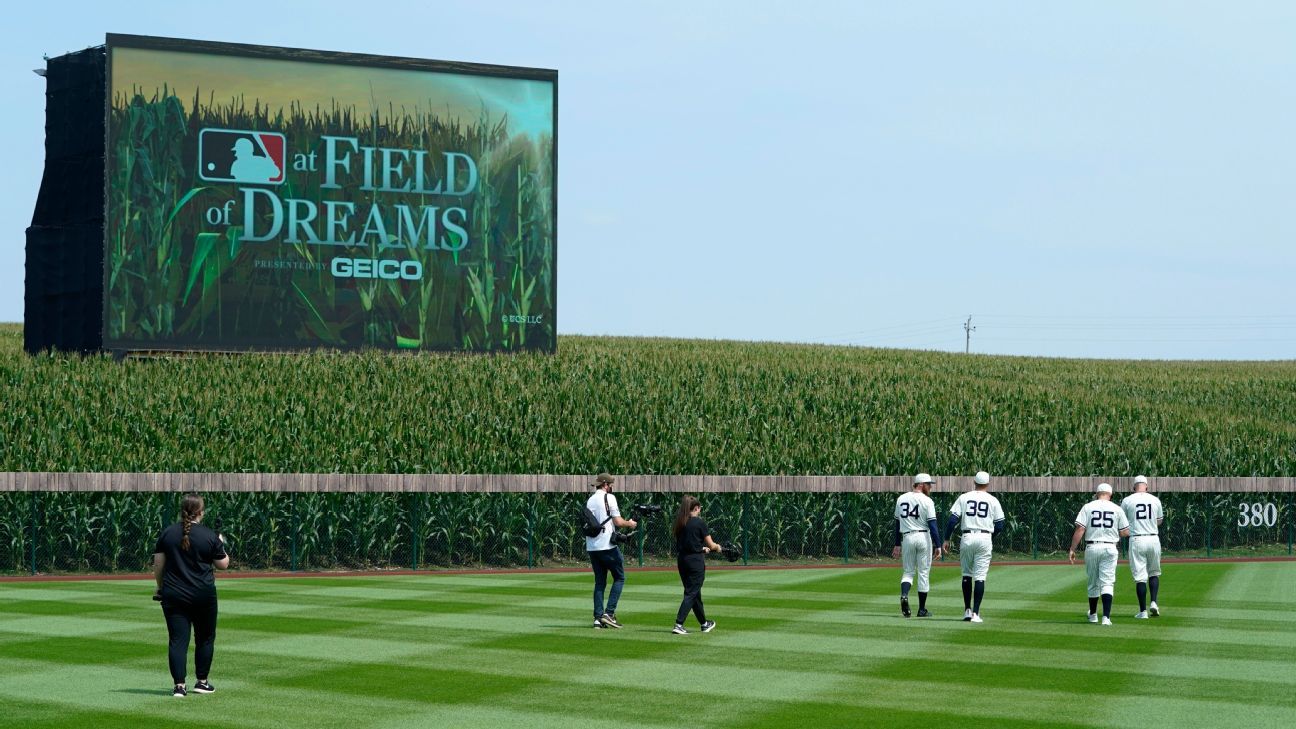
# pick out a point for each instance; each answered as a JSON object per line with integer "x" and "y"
{"x": 884, "y": 329}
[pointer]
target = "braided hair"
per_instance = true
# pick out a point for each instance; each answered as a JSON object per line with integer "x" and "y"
{"x": 191, "y": 509}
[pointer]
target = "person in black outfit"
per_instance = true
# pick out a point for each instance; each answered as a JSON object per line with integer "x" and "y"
{"x": 692, "y": 543}
{"x": 183, "y": 560}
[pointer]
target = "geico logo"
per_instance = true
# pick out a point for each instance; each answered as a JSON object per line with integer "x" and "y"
{"x": 388, "y": 268}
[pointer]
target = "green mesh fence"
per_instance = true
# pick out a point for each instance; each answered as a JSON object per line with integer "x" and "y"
{"x": 79, "y": 532}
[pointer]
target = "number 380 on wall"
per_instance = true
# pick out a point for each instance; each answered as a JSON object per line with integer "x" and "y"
{"x": 1257, "y": 515}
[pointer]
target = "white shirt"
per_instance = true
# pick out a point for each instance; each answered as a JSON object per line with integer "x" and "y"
{"x": 977, "y": 510}
{"x": 1102, "y": 521}
{"x": 1144, "y": 512}
{"x": 596, "y": 504}
{"x": 913, "y": 510}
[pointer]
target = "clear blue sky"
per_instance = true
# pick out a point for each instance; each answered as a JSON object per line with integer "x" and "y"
{"x": 1095, "y": 180}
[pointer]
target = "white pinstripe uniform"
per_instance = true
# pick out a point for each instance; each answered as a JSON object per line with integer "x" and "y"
{"x": 977, "y": 512}
{"x": 1144, "y": 513}
{"x": 1102, "y": 521}
{"x": 913, "y": 510}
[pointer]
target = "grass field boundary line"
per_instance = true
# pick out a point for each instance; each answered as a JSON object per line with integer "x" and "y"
{"x": 585, "y": 570}
{"x": 43, "y": 481}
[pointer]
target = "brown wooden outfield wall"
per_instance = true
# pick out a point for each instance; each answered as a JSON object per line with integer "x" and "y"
{"x": 529, "y": 483}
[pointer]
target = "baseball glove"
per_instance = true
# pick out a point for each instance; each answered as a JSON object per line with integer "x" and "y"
{"x": 731, "y": 552}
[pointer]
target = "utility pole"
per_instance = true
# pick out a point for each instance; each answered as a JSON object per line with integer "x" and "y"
{"x": 967, "y": 331}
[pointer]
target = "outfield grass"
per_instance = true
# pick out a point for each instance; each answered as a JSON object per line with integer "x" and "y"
{"x": 803, "y": 648}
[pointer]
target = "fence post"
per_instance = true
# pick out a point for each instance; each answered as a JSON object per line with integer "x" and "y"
{"x": 1209, "y": 518}
{"x": 531, "y": 533}
{"x": 845, "y": 529}
{"x": 415, "y": 536}
{"x": 292, "y": 535}
{"x": 1035, "y": 529}
{"x": 33, "y": 532}
{"x": 743, "y": 527}
{"x": 1291, "y": 520}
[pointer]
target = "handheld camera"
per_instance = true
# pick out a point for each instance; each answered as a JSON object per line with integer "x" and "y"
{"x": 641, "y": 512}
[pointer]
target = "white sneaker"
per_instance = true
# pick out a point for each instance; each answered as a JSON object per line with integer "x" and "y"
{"x": 1106, "y": 620}
{"x": 679, "y": 630}
{"x": 967, "y": 614}
{"x": 1141, "y": 615}
{"x": 975, "y": 618}
{"x": 1153, "y": 610}
{"x": 1093, "y": 617}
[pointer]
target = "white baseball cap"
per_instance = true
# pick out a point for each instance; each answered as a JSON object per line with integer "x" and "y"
{"x": 1104, "y": 488}
{"x": 982, "y": 478}
{"x": 1140, "y": 479}
{"x": 923, "y": 478}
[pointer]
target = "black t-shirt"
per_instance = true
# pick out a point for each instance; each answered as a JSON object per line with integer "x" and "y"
{"x": 692, "y": 537}
{"x": 187, "y": 576}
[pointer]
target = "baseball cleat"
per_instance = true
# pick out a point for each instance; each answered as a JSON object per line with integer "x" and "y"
{"x": 1142, "y": 615}
{"x": 967, "y": 614}
{"x": 975, "y": 618}
{"x": 1093, "y": 617}
{"x": 904, "y": 606}
{"x": 1106, "y": 620}
{"x": 924, "y": 613}
{"x": 1153, "y": 610}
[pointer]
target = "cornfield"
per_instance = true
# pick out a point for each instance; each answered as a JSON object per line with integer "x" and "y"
{"x": 649, "y": 406}
{"x": 628, "y": 406}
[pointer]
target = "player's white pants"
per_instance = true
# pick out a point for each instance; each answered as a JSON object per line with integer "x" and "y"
{"x": 1100, "y": 565}
{"x": 916, "y": 558}
{"x": 974, "y": 553}
{"x": 1145, "y": 557}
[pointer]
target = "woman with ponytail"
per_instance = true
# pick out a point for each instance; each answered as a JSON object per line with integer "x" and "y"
{"x": 692, "y": 542}
{"x": 183, "y": 560}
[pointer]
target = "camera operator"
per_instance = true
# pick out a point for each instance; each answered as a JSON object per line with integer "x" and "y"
{"x": 692, "y": 542}
{"x": 183, "y": 559}
{"x": 605, "y": 556}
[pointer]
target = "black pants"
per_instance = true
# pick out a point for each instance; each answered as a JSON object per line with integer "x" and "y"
{"x": 692, "y": 572}
{"x": 181, "y": 617}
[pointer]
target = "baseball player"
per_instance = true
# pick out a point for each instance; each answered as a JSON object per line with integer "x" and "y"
{"x": 916, "y": 535}
{"x": 1145, "y": 514}
{"x": 978, "y": 516}
{"x": 1102, "y": 524}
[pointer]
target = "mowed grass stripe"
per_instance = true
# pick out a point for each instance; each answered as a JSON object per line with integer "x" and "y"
{"x": 1198, "y": 658}
{"x": 836, "y": 652}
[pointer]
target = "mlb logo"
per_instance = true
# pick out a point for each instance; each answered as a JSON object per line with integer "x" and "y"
{"x": 235, "y": 155}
